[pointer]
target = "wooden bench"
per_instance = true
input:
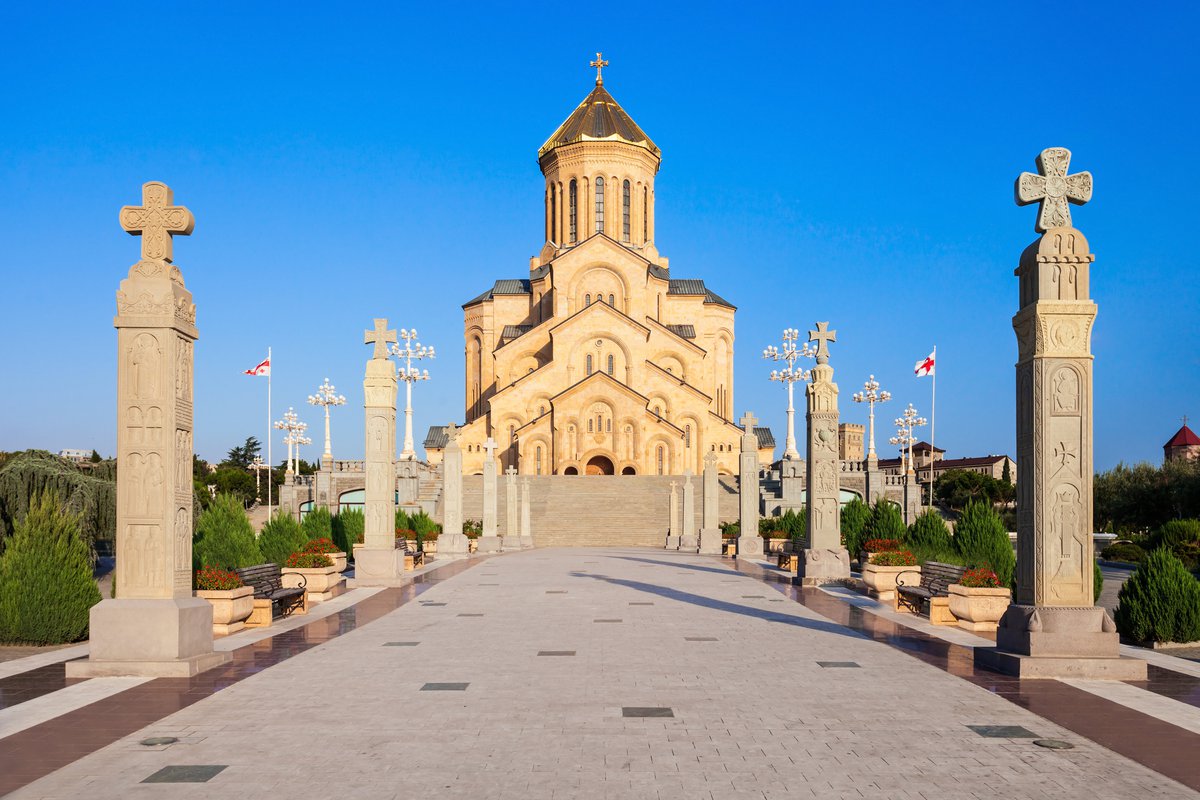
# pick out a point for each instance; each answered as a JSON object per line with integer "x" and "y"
{"x": 933, "y": 588}
{"x": 413, "y": 558}
{"x": 271, "y": 598}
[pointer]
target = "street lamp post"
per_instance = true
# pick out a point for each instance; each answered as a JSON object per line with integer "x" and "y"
{"x": 258, "y": 465}
{"x": 788, "y": 376}
{"x": 326, "y": 396}
{"x": 295, "y": 430}
{"x": 905, "y": 437}
{"x": 871, "y": 394}
{"x": 412, "y": 351}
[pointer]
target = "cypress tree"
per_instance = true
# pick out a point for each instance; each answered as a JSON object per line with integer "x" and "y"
{"x": 1160, "y": 602}
{"x": 280, "y": 537}
{"x": 981, "y": 539}
{"x": 46, "y": 584}
{"x": 854, "y": 521}
{"x": 224, "y": 536}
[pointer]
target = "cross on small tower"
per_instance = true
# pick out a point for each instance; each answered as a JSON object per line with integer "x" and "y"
{"x": 156, "y": 220}
{"x": 380, "y": 337}
{"x": 599, "y": 64}
{"x": 748, "y": 422}
{"x": 822, "y": 336}
{"x": 451, "y": 432}
{"x": 1185, "y": 419}
{"x": 1054, "y": 188}
{"x": 490, "y": 446}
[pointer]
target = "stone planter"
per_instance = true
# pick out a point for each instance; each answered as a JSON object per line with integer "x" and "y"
{"x": 978, "y": 609}
{"x": 789, "y": 562}
{"x": 774, "y": 545}
{"x": 729, "y": 547}
{"x": 231, "y": 607}
{"x": 339, "y": 560}
{"x": 881, "y": 581}
{"x": 320, "y": 583}
{"x": 472, "y": 545}
{"x": 430, "y": 546}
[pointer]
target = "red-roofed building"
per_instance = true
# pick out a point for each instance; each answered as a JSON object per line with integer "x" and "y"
{"x": 1184, "y": 444}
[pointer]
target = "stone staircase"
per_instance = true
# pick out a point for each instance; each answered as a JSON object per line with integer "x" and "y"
{"x": 597, "y": 510}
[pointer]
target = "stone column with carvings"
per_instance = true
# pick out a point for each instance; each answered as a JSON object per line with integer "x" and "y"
{"x": 453, "y": 543}
{"x": 526, "y": 530}
{"x": 512, "y": 536}
{"x": 710, "y": 530}
{"x": 749, "y": 542}
{"x": 489, "y": 542}
{"x": 1053, "y": 629}
{"x": 825, "y": 560}
{"x": 673, "y": 518}
{"x": 791, "y": 479}
{"x": 155, "y": 627}
{"x": 377, "y": 562}
{"x": 689, "y": 538}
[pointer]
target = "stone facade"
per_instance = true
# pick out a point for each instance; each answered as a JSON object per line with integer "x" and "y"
{"x": 850, "y": 441}
{"x": 600, "y": 362}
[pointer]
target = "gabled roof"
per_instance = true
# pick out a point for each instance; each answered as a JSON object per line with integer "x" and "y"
{"x": 513, "y": 286}
{"x": 591, "y": 309}
{"x": 923, "y": 447}
{"x": 598, "y": 118}
{"x": 694, "y": 286}
{"x": 1184, "y": 437}
{"x": 765, "y": 437}
{"x": 437, "y": 438}
{"x": 513, "y": 331}
{"x": 682, "y": 331}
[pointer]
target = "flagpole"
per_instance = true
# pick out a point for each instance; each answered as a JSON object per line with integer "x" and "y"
{"x": 932, "y": 428}
{"x": 270, "y": 460}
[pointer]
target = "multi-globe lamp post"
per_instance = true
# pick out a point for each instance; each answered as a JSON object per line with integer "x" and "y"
{"x": 327, "y": 396}
{"x": 872, "y": 394}
{"x": 788, "y": 376}
{"x": 905, "y": 437}
{"x": 293, "y": 437}
{"x": 406, "y": 351}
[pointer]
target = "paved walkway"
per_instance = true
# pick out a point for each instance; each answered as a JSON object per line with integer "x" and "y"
{"x": 614, "y": 673}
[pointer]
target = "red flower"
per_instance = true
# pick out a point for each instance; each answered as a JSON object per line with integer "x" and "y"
{"x": 209, "y": 579}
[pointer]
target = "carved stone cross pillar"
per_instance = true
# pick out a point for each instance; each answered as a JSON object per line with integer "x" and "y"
{"x": 710, "y": 531}
{"x": 825, "y": 560}
{"x": 489, "y": 542}
{"x": 512, "y": 536}
{"x": 688, "y": 538}
{"x": 154, "y": 627}
{"x": 453, "y": 542}
{"x": 749, "y": 542}
{"x": 526, "y": 530}
{"x": 1053, "y": 629}
{"x": 673, "y": 518}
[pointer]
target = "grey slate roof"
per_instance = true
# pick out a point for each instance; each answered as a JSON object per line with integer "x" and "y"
{"x": 694, "y": 286}
{"x": 513, "y": 331}
{"x": 502, "y": 286}
{"x": 765, "y": 437}
{"x": 659, "y": 272}
{"x": 437, "y": 437}
{"x": 684, "y": 331}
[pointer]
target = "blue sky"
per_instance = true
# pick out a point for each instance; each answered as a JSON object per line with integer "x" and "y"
{"x": 850, "y": 163}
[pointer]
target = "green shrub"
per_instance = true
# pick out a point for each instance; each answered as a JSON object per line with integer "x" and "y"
{"x": 730, "y": 530}
{"x": 944, "y": 555}
{"x": 1189, "y": 554}
{"x": 348, "y": 529}
{"x": 403, "y": 522}
{"x": 1160, "y": 602}
{"x": 46, "y": 585}
{"x": 1124, "y": 551}
{"x": 280, "y": 537}
{"x": 1097, "y": 582}
{"x": 317, "y": 524}
{"x": 795, "y": 525}
{"x": 88, "y": 492}
{"x": 224, "y": 537}
{"x": 894, "y": 558}
{"x": 928, "y": 531}
{"x": 981, "y": 539}
{"x": 885, "y": 522}
{"x": 1176, "y": 532}
{"x": 424, "y": 525}
{"x": 854, "y": 520}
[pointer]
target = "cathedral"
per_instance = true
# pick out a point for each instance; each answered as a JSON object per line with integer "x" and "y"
{"x": 600, "y": 362}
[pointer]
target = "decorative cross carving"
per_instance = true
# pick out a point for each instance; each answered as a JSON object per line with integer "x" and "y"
{"x": 1054, "y": 188}
{"x": 822, "y": 336}
{"x": 599, "y": 64}
{"x": 451, "y": 432}
{"x": 156, "y": 220}
{"x": 710, "y": 459}
{"x": 748, "y": 422}
{"x": 490, "y": 447}
{"x": 380, "y": 337}
{"x": 511, "y": 471}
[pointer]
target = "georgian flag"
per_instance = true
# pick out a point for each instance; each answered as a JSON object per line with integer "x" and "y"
{"x": 262, "y": 369}
{"x": 925, "y": 366}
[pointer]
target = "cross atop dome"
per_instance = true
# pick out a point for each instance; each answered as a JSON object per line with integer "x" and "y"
{"x": 599, "y": 64}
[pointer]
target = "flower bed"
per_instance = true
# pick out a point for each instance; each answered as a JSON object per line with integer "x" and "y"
{"x": 231, "y": 601}
{"x": 326, "y": 547}
{"x": 883, "y": 568}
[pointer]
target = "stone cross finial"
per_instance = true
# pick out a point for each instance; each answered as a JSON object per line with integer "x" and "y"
{"x": 748, "y": 422}
{"x": 157, "y": 219}
{"x": 1054, "y": 189}
{"x": 490, "y": 447}
{"x": 380, "y": 337}
{"x": 822, "y": 336}
{"x": 511, "y": 470}
{"x": 599, "y": 64}
{"x": 451, "y": 432}
{"x": 710, "y": 458}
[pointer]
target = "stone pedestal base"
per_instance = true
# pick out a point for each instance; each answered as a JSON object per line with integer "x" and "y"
{"x": 1059, "y": 642}
{"x": 510, "y": 543}
{"x": 168, "y": 638}
{"x": 710, "y": 541}
{"x": 527, "y": 542}
{"x": 488, "y": 544}
{"x": 750, "y": 546}
{"x": 939, "y": 611}
{"x": 453, "y": 545}
{"x": 689, "y": 542}
{"x": 378, "y": 567}
{"x": 672, "y": 543}
{"x": 818, "y": 567}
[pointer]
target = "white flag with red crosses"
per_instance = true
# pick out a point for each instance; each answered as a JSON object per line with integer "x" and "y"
{"x": 263, "y": 368}
{"x": 925, "y": 366}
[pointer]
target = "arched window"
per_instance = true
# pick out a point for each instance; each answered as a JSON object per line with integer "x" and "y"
{"x": 553, "y": 214}
{"x": 645, "y": 211}
{"x": 572, "y": 199}
{"x": 512, "y": 433}
{"x": 587, "y": 299}
{"x": 610, "y": 363}
{"x": 687, "y": 435}
{"x": 625, "y": 211}
{"x": 541, "y": 410}
{"x": 612, "y": 300}
{"x": 589, "y": 364}
{"x": 537, "y": 455}
{"x": 590, "y": 428}
{"x": 608, "y": 425}
{"x": 661, "y": 457}
{"x": 599, "y": 205}
{"x": 599, "y": 424}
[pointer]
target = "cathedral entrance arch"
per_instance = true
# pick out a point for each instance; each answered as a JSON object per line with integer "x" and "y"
{"x": 629, "y": 471}
{"x": 600, "y": 465}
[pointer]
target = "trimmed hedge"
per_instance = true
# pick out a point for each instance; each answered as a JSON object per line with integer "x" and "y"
{"x": 46, "y": 584}
{"x": 1160, "y": 602}
{"x": 1124, "y": 551}
{"x": 1176, "y": 532}
{"x": 224, "y": 536}
{"x": 280, "y": 537}
{"x": 928, "y": 532}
